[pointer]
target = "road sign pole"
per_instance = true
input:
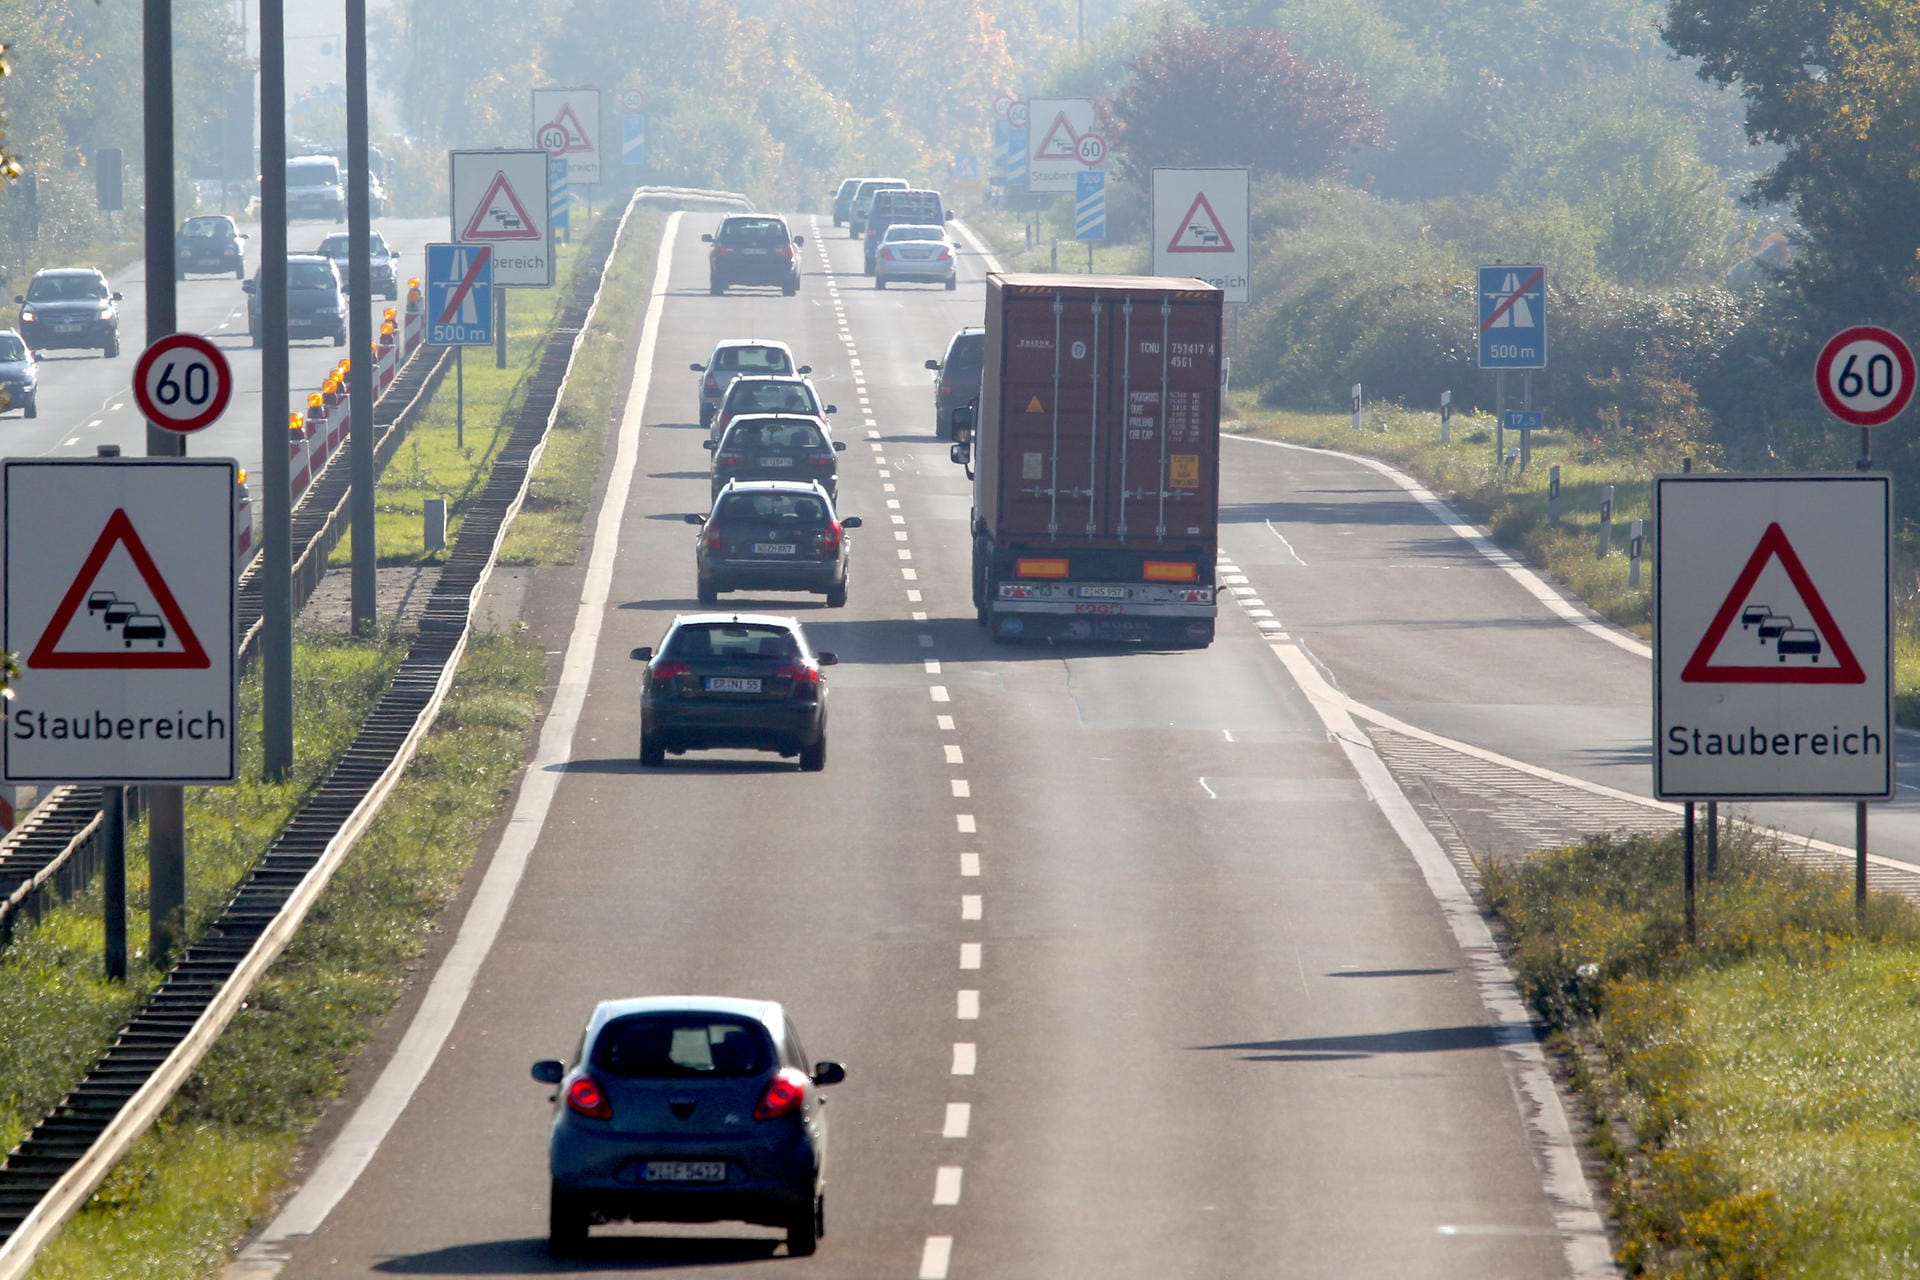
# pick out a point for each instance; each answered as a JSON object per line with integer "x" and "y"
{"x": 1499, "y": 416}
{"x": 113, "y": 879}
{"x": 499, "y": 328}
{"x": 1713, "y": 838}
{"x": 460, "y": 397}
{"x": 1860, "y": 860}
{"x": 360, "y": 331}
{"x": 1687, "y": 876}
{"x": 275, "y": 488}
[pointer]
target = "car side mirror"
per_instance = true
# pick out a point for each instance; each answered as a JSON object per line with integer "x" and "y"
{"x": 947, "y": 216}
{"x": 709, "y": 445}
{"x": 828, "y": 1073}
{"x": 20, "y": 298}
{"x": 833, "y": 408}
{"x": 551, "y": 1070}
{"x": 806, "y": 368}
{"x": 118, "y": 298}
{"x": 707, "y": 239}
{"x": 827, "y": 658}
{"x": 959, "y": 453}
{"x": 694, "y": 517}
{"x": 839, "y": 446}
{"x": 697, "y": 367}
{"x": 798, "y": 241}
{"x": 246, "y": 286}
{"x": 934, "y": 365}
{"x": 851, "y": 522}
{"x": 642, "y": 653}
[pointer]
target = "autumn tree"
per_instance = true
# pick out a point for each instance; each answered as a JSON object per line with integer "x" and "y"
{"x": 1196, "y": 97}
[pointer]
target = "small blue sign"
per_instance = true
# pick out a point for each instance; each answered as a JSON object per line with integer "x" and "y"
{"x": 997, "y": 174}
{"x": 1513, "y": 317}
{"x": 1090, "y": 205}
{"x": 459, "y": 295}
{"x": 559, "y": 203}
{"x": 966, "y": 168}
{"x": 633, "y": 138}
{"x": 1015, "y": 157}
{"x": 1524, "y": 419}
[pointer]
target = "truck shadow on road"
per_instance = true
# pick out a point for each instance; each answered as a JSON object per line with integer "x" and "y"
{"x": 623, "y": 1252}
{"x": 1337, "y": 1048}
{"x": 1374, "y": 511}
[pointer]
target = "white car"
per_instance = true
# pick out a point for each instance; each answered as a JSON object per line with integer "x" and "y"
{"x": 915, "y": 251}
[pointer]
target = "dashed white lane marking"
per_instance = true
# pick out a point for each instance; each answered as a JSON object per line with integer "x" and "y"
{"x": 965, "y": 1059}
{"x": 946, "y": 1185}
{"x": 967, "y": 1005}
{"x": 900, "y": 535}
{"x": 961, "y": 791}
{"x": 117, "y": 405}
{"x": 959, "y": 1116}
{"x": 898, "y": 519}
{"x": 69, "y": 442}
{"x": 944, "y": 722}
{"x": 938, "y": 693}
{"x": 964, "y": 821}
{"x": 936, "y": 1257}
{"x": 969, "y": 955}
{"x": 953, "y": 754}
{"x": 909, "y": 575}
{"x": 893, "y": 504}
{"x": 970, "y": 906}
{"x": 933, "y": 666}
{"x": 96, "y": 422}
{"x": 969, "y": 864}
{"x": 913, "y": 597}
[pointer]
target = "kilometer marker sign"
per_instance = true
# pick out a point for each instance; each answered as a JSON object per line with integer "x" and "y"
{"x": 1865, "y": 375}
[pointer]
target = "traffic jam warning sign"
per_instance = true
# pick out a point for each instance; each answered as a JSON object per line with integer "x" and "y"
{"x": 1201, "y": 228}
{"x": 120, "y": 595}
{"x": 501, "y": 198}
{"x": 566, "y": 125}
{"x": 1773, "y": 645}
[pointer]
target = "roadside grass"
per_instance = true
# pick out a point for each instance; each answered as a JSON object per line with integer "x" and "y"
{"x": 1757, "y": 1092}
{"x": 213, "y": 1166}
{"x": 1007, "y": 233}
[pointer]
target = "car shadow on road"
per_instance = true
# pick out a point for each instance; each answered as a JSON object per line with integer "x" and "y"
{"x": 675, "y": 475}
{"x": 1338, "y": 1048}
{"x": 601, "y": 1253}
{"x": 701, "y": 763}
{"x": 675, "y": 426}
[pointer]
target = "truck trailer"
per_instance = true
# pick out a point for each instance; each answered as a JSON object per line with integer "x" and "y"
{"x": 1095, "y": 459}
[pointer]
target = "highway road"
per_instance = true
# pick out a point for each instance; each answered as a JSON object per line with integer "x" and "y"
{"x": 87, "y": 400}
{"x": 1138, "y": 967}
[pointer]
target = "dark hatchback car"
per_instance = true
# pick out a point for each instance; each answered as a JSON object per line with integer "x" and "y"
{"x": 753, "y": 249}
{"x": 19, "y": 376}
{"x": 772, "y": 535}
{"x": 316, "y": 302}
{"x": 776, "y": 446}
{"x": 209, "y": 244}
{"x": 747, "y": 681}
{"x": 843, "y": 200}
{"x": 959, "y": 380}
{"x": 68, "y": 307}
{"x": 768, "y": 393}
{"x": 688, "y": 1109}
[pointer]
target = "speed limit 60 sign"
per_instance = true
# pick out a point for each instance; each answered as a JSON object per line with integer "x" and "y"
{"x": 182, "y": 382}
{"x": 1865, "y": 375}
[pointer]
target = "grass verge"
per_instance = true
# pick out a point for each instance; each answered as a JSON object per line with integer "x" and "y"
{"x": 1756, "y": 1092}
{"x": 215, "y": 1163}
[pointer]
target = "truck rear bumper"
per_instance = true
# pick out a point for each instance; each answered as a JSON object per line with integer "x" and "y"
{"x": 1179, "y": 624}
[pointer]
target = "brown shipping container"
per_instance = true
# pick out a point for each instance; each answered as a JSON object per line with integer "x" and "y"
{"x": 1100, "y": 412}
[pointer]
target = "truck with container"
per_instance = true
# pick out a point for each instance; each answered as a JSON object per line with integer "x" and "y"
{"x": 1094, "y": 452}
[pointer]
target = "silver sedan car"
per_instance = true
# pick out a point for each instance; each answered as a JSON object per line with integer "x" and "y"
{"x": 908, "y": 251}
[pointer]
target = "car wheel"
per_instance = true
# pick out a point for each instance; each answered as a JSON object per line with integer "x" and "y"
{"x": 652, "y": 754}
{"x": 837, "y": 595}
{"x": 707, "y": 590}
{"x": 715, "y": 288}
{"x": 340, "y": 338}
{"x": 953, "y": 283}
{"x": 851, "y": 233}
{"x": 879, "y": 282}
{"x": 803, "y": 1233}
{"x": 112, "y": 348}
{"x": 789, "y": 289}
{"x": 32, "y": 409}
{"x": 813, "y": 758}
{"x": 566, "y": 1224}
{"x": 240, "y": 272}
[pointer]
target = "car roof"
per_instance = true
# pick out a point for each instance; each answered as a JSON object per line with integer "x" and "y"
{"x": 761, "y": 619}
{"x": 751, "y": 342}
{"x": 777, "y": 486}
{"x": 767, "y": 1012}
{"x": 934, "y": 227}
{"x": 70, "y": 271}
{"x": 309, "y": 257}
{"x": 778, "y": 415}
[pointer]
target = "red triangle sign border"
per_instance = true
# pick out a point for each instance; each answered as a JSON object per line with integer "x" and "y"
{"x": 1773, "y": 544}
{"x": 1200, "y": 202}
{"x": 499, "y": 185}
{"x": 46, "y": 655}
{"x": 568, "y": 122}
{"x": 1060, "y": 123}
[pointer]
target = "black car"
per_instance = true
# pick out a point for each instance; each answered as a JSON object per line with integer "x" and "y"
{"x": 67, "y": 307}
{"x": 776, "y": 446}
{"x": 316, "y": 302}
{"x": 209, "y": 244}
{"x": 772, "y": 535}
{"x": 753, "y": 248}
{"x": 747, "y": 681}
{"x": 843, "y": 200}
{"x": 959, "y": 381}
{"x": 19, "y": 377}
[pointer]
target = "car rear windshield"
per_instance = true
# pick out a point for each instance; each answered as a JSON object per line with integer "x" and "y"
{"x": 207, "y": 229}
{"x": 902, "y": 206}
{"x": 902, "y": 231}
{"x": 753, "y": 231}
{"x": 769, "y": 397}
{"x": 785, "y": 433}
{"x": 752, "y": 360}
{"x": 12, "y": 348}
{"x": 784, "y": 508}
{"x": 967, "y": 353}
{"x": 660, "y": 1045}
{"x": 731, "y": 640}
{"x": 66, "y": 289}
{"x": 309, "y": 275}
{"x": 312, "y": 173}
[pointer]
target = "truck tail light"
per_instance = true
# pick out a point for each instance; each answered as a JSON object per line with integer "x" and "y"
{"x": 585, "y": 1099}
{"x": 785, "y": 1093}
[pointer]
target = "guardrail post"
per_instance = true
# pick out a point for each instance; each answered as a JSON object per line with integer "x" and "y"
{"x": 1633, "y": 556}
{"x": 1446, "y": 419}
{"x": 1553, "y": 494}
{"x": 1606, "y": 522}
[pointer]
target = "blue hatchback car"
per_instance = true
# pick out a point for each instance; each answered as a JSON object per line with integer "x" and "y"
{"x": 688, "y": 1109}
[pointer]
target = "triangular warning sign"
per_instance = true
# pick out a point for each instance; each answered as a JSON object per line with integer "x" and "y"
{"x": 1200, "y": 231}
{"x": 1033, "y": 406}
{"x": 500, "y": 215}
{"x": 567, "y": 123}
{"x": 1807, "y": 650}
{"x": 128, "y": 623}
{"x": 1060, "y": 141}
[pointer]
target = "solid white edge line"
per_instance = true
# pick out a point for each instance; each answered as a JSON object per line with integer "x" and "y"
{"x": 1583, "y": 1235}
{"x": 358, "y": 1142}
{"x": 1529, "y": 581}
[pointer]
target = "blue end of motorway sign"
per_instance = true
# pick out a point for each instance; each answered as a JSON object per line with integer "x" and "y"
{"x": 1513, "y": 317}
{"x": 459, "y": 295}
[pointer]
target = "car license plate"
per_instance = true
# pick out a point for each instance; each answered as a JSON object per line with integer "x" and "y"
{"x": 67, "y": 326}
{"x": 685, "y": 1171}
{"x": 733, "y": 684}
{"x": 776, "y": 462}
{"x": 755, "y": 253}
{"x": 774, "y": 548}
{"x": 1104, "y": 593}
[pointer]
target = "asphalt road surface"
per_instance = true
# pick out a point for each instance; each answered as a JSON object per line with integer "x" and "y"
{"x": 1134, "y": 974}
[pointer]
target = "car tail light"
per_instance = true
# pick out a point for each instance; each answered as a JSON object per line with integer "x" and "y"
{"x": 830, "y": 540}
{"x": 946, "y": 386}
{"x": 887, "y": 254}
{"x": 721, "y": 251}
{"x": 820, "y": 459}
{"x": 711, "y": 385}
{"x": 585, "y": 1099}
{"x": 784, "y": 251}
{"x": 944, "y": 256}
{"x": 730, "y": 459}
{"x": 713, "y": 539}
{"x": 668, "y": 670}
{"x": 783, "y": 1097}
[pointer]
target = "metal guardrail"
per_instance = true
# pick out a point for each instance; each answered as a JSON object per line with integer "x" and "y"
{"x": 51, "y": 1174}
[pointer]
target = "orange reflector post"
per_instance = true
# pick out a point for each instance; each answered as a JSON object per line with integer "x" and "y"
{"x": 1169, "y": 571}
{"x": 1040, "y": 568}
